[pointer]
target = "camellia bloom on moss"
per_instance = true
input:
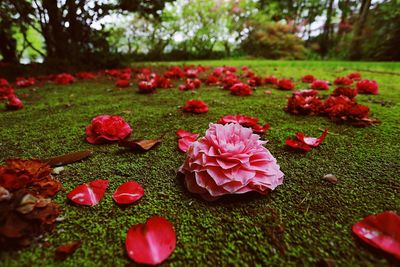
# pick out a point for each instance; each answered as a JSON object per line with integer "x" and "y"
{"x": 195, "y": 106}
{"x": 285, "y": 84}
{"x": 106, "y": 128}
{"x": 367, "y": 87}
{"x": 241, "y": 89}
{"x": 230, "y": 159}
{"x": 308, "y": 78}
{"x": 320, "y": 85}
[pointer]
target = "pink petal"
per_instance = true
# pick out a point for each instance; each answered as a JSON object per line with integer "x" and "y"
{"x": 185, "y": 142}
{"x": 152, "y": 242}
{"x": 381, "y": 231}
{"x": 311, "y": 141}
{"x": 182, "y": 133}
{"x": 128, "y": 193}
{"x": 88, "y": 194}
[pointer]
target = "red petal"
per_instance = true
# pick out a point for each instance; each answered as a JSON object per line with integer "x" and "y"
{"x": 297, "y": 145}
{"x": 128, "y": 193}
{"x": 152, "y": 242}
{"x": 381, "y": 231}
{"x": 88, "y": 194}
{"x": 311, "y": 141}
{"x": 185, "y": 142}
{"x": 182, "y": 133}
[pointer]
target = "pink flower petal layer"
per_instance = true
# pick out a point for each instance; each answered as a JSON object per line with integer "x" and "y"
{"x": 381, "y": 231}
{"x": 88, "y": 194}
{"x": 151, "y": 242}
{"x": 128, "y": 193}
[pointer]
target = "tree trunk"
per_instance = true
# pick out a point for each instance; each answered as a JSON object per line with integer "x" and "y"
{"x": 325, "y": 39}
{"x": 8, "y": 44}
{"x": 356, "y": 49}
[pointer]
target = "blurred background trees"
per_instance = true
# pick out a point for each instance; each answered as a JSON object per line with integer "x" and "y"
{"x": 105, "y": 32}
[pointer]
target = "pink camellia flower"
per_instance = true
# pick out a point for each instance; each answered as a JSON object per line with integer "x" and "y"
{"x": 320, "y": 85}
{"x": 105, "y": 128}
{"x": 195, "y": 106}
{"x": 241, "y": 89}
{"x": 229, "y": 159}
{"x": 308, "y": 78}
{"x": 367, "y": 87}
{"x": 285, "y": 84}
{"x": 14, "y": 103}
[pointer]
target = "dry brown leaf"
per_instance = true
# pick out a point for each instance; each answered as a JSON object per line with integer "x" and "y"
{"x": 141, "y": 145}
{"x": 67, "y": 158}
{"x": 63, "y": 251}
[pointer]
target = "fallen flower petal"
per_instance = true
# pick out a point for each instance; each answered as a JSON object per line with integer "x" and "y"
{"x": 88, "y": 194}
{"x": 185, "y": 142}
{"x": 297, "y": 145}
{"x": 128, "y": 193}
{"x": 381, "y": 231}
{"x": 183, "y": 133}
{"x": 63, "y": 251}
{"x": 311, "y": 141}
{"x": 151, "y": 242}
{"x": 143, "y": 145}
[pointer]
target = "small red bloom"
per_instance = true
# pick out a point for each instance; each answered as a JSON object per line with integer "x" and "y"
{"x": 355, "y": 76}
{"x": 64, "y": 78}
{"x": 320, "y": 85}
{"x": 14, "y": 103}
{"x": 212, "y": 80}
{"x": 86, "y": 75}
{"x": 106, "y": 128}
{"x": 147, "y": 86}
{"x": 255, "y": 81}
{"x": 25, "y": 82}
{"x": 151, "y": 242}
{"x": 88, "y": 194}
{"x": 122, "y": 83}
{"x": 128, "y": 193}
{"x": 195, "y": 106}
{"x": 163, "y": 82}
{"x": 345, "y": 91}
{"x": 343, "y": 81}
{"x": 271, "y": 80}
{"x": 381, "y": 231}
{"x": 241, "y": 89}
{"x": 190, "y": 84}
{"x": 245, "y": 121}
{"x": 285, "y": 84}
{"x": 304, "y": 102}
{"x": 308, "y": 78}
{"x": 367, "y": 87}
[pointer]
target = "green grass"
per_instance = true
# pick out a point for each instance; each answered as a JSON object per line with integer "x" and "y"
{"x": 301, "y": 222}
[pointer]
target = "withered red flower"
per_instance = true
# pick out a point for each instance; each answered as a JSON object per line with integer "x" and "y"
{"x": 128, "y": 192}
{"x": 106, "y": 128}
{"x": 195, "y": 106}
{"x": 88, "y": 194}
{"x": 14, "y": 103}
{"x": 320, "y": 85}
{"x": 367, "y": 87}
{"x": 151, "y": 242}
{"x": 343, "y": 81}
{"x": 308, "y": 78}
{"x": 241, "y": 89}
{"x": 285, "y": 84}
{"x": 122, "y": 83}
{"x": 381, "y": 231}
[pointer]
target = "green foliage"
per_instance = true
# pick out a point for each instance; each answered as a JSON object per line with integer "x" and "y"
{"x": 273, "y": 41}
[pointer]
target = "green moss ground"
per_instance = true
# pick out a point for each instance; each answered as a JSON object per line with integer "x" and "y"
{"x": 304, "y": 220}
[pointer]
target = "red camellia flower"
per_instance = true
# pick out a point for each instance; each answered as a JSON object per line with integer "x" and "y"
{"x": 212, "y": 80}
{"x": 122, "y": 83}
{"x": 3, "y": 82}
{"x": 245, "y": 121}
{"x": 241, "y": 89}
{"x": 381, "y": 231}
{"x": 88, "y": 194}
{"x": 285, "y": 84}
{"x": 106, "y": 128}
{"x": 147, "y": 86}
{"x": 162, "y": 82}
{"x": 64, "y": 78}
{"x": 190, "y": 84}
{"x": 86, "y": 75}
{"x": 355, "y": 76}
{"x": 230, "y": 159}
{"x": 271, "y": 80}
{"x": 320, "y": 85}
{"x": 174, "y": 72}
{"x": 6, "y": 91}
{"x": 341, "y": 108}
{"x": 304, "y": 102}
{"x": 256, "y": 81}
{"x": 128, "y": 193}
{"x": 343, "y": 81}
{"x": 308, "y": 78}
{"x": 195, "y": 106}
{"x": 367, "y": 87}
{"x": 152, "y": 242}
{"x": 25, "y": 82}
{"x": 345, "y": 91}
{"x": 14, "y": 103}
